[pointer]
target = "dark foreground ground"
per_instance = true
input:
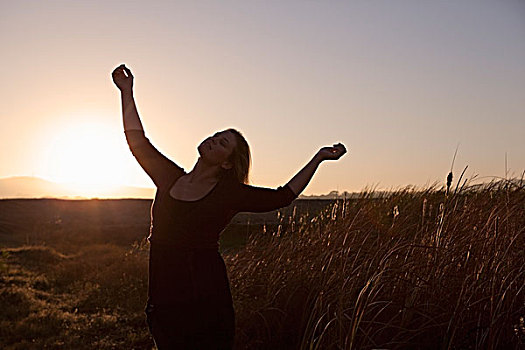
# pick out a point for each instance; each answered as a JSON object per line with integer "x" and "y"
{"x": 73, "y": 273}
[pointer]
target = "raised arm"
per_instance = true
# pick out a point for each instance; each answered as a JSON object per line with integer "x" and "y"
{"x": 123, "y": 78}
{"x": 159, "y": 168}
{"x": 298, "y": 183}
{"x": 260, "y": 199}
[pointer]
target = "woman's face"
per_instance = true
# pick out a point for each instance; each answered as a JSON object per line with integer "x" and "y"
{"x": 217, "y": 149}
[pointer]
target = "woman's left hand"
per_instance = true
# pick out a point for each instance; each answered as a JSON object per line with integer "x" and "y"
{"x": 332, "y": 153}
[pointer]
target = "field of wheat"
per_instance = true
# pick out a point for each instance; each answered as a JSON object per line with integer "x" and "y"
{"x": 418, "y": 269}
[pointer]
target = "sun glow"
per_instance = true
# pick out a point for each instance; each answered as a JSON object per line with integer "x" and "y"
{"x": 90, "y": 158}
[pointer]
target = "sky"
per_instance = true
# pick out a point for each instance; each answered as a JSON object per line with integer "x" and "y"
{"x": 400, "y": 83}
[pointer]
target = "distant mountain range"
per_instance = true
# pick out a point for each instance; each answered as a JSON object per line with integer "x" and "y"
{"x": 35, "y": 187}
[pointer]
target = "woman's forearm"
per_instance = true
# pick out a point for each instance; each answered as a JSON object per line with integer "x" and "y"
{"x": 302, "y": 178}
{"x": 130, "y": 115}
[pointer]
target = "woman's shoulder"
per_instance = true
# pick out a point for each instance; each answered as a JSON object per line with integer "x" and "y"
{"x": 171, "y": 178}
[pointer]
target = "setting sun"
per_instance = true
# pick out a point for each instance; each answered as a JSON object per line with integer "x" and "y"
{"x": 89, "y": 156}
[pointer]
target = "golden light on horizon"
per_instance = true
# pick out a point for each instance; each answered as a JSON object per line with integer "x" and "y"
{"x": 89, "y": 157}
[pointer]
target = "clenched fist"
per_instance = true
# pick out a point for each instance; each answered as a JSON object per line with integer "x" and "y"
{"x": 123, "y": 78}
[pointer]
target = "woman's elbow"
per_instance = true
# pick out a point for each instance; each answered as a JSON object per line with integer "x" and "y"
{"x": 289, "y": 195}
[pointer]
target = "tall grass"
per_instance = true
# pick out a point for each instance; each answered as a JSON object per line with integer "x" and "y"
{"x": 412, "y": 269}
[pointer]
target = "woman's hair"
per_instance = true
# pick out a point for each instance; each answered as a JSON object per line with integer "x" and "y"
{"x": 240, "y": 158}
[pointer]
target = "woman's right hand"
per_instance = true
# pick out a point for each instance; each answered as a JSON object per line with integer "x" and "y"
{"x": 123, "y": 78}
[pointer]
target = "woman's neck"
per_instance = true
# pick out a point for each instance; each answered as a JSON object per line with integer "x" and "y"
{"x": 204, "y": 173}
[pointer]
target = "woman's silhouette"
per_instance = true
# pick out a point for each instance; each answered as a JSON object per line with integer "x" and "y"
{"x": 189, "y": 302}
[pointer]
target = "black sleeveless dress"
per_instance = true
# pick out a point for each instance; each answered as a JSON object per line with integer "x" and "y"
{"x": 189, "y": 302}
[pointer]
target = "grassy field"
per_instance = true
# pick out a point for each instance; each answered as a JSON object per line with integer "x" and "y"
{"x": 415, "y": 269}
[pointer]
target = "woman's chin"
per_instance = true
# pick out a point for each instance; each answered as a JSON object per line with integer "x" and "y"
{"x": 201, "y": 149}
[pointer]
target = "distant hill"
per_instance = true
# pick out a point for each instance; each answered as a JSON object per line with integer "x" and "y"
{"x": 34, "y": 187}
{"x": 332, "y": 195}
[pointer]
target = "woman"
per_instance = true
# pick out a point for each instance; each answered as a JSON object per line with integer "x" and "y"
{"x": 189, "y": 302}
